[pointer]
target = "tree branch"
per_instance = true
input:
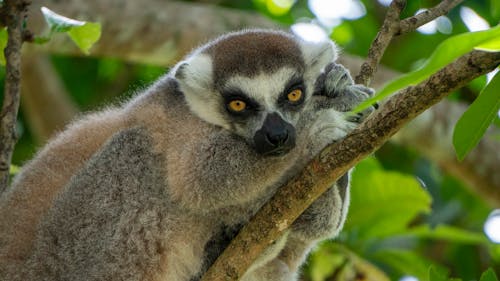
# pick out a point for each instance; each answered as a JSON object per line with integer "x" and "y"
{"x": 412, "y": 23}
{"x": 151, "y": 31}
{"x": 393, "y": 26}
{"x": 14, "y": 12}
{"x": 380, "y": 43}
{"x": 336, "y": 159}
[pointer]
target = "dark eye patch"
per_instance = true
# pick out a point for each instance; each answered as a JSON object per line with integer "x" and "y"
{"x": 233, "y": 94}
{"x": 295, "y": 83}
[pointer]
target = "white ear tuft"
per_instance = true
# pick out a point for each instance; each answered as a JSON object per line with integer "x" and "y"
{"x": 195, "y": 72}
{"x": 318, "y": 54}
{"x": 196, "y": 83}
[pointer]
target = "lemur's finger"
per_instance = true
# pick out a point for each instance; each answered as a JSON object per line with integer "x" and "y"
{"x": 360, "y": 88}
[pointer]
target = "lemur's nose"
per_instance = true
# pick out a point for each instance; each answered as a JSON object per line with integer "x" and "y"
{"x": 277, "y": 134}
{"x": 276, "y": 137}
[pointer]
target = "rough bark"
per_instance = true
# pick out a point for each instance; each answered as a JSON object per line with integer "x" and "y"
{"x": 380, "y": 43}
{"x": 14, "y": 13}
{"x": 393, "y": 26}
{"x": 337, "y": 159}
{"x": 416, "y": 21}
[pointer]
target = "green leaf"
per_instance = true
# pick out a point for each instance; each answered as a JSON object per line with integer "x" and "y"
{"x": 383, "y": 202}
{"x": 323, "y": 262}
{"x": 14, "y": 169}
{"x": 58, "y": 23}
{"x": 448, "y": 233}
{"x": 41, "y": 39}
{"x": 279, "y": 8}
{"x": 342, "y": 34}
{"x": 405, "y": 262}
{"x": 3, "y": 44}
{"x": 445, "y": 53}
{"x": 488, "y": 275}
{"x": 440, "y": 274}
{"x": 492, "y": 45}
{"x": 86, "y": 35}
{"x": 435, "y": 275}
{"x": 474, "y": 122}
{"x": 495, "y": 9}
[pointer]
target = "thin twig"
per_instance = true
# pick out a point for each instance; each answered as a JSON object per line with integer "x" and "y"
{"x": 14, "y": 12}
{"x": 381, "y": 41}
{"x": 393, "y": 26}
{"x": 412, "y": 23}
{"x": 335, "y": 160}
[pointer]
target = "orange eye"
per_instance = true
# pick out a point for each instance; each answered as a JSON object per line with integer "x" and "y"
{"x": 295, "y": 95}
{"x": 237, "y": 105}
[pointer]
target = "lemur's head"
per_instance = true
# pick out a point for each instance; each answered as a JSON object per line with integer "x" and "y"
{"x": 255, "y": 84}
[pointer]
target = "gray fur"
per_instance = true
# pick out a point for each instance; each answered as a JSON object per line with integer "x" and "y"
{"x": 94, "y": 229}
{"x": 269, "y": 47}
{"x": 337, "y": 84}
{"x": 179, "y": 175}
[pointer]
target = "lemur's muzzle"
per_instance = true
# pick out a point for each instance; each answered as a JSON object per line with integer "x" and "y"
{"x": 276, "y": 137}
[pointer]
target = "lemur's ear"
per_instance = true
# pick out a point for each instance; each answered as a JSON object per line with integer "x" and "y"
{"x": 196, "y": 83}
{"x": 195, "y": 72}
{"x": 318, "y": 54}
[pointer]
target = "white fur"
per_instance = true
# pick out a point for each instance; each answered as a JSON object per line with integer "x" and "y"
{"x": 317, "y": 55}
{"x": 331, "y": 124}
{"x": 265, "y": 88}
{"x": 196, "y": 86}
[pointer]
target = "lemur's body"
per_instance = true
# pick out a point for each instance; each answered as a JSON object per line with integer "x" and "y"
{"x": 156, "y": 189}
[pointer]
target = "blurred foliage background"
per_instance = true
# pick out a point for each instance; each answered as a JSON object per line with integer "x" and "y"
{"x": 406, "y": 213}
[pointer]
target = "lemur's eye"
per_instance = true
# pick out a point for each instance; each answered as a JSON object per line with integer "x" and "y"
{"x": 237, "y": 105}
{"x": 295, "y": 95}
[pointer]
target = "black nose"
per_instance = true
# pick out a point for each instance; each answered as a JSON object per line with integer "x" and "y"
{"x": 276, "y": 137}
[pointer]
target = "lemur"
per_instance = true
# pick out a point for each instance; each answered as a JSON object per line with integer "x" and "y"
{"x": 154, "y": 189}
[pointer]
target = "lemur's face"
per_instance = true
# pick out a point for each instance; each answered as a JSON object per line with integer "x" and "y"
{"x": 255, "y": 84}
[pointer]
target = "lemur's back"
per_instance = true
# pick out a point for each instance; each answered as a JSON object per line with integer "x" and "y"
{"x": 32, "y": 193}
{"x": 45, "y": 176}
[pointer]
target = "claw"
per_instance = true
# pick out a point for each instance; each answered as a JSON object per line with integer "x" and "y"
{"x": 354, "y": 118}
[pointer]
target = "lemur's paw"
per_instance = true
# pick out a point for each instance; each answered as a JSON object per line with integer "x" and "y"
{"x": 359, "y": 117}
{"x": 337, "y": 84}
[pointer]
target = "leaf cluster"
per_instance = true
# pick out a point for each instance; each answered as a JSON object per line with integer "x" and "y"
{"x": 83, "y": 34}
{"x": 393, "y": 222}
